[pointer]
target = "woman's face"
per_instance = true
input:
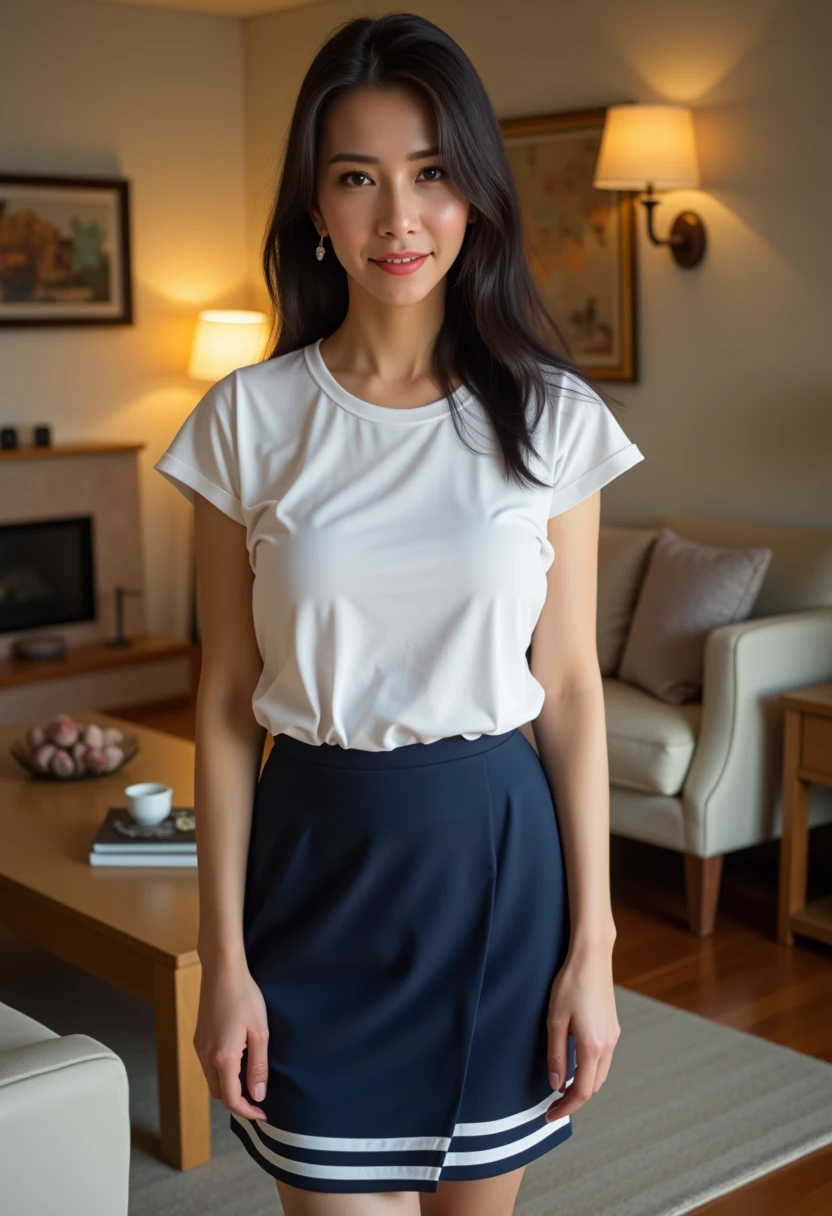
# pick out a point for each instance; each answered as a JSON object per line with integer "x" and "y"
{"x": 382, "y": 191}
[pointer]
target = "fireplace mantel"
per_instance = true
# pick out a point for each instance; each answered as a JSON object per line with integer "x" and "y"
{"x": 85, "y": 447}
{"x": 99, "y": 479}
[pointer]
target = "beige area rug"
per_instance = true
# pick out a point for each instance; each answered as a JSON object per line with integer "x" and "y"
{"x": 690, "y": 1109}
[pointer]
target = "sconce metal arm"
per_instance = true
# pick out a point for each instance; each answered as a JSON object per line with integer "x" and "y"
{"x": 687, "y": 235}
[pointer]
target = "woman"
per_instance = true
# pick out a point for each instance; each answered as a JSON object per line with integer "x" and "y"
{"x": 402, "y": 1002}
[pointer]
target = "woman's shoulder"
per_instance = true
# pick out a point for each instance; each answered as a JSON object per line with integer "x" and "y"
{"x": 264, "y": 395}
{"x": 279, "y": 370}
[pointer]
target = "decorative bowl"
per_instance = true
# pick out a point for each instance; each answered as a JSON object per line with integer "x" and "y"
{"x": 19, "y": 750}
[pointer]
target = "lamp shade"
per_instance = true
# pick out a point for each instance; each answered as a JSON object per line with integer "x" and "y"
{"x": 226, "y": 339}
{"x": 643, "y": 145}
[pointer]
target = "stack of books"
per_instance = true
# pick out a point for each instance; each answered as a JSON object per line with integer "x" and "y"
{"x": 120, "y": 841}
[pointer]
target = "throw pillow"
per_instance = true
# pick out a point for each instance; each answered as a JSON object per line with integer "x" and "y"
{"x": 688, "y": 590}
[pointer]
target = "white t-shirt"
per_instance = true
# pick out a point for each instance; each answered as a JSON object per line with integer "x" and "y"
{"x": 398, "y": 575}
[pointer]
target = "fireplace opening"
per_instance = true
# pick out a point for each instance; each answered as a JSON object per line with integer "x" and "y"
{"x": 46, "y": 573}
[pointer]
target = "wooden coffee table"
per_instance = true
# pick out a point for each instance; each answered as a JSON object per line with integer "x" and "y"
{"x": 136, "y": 928}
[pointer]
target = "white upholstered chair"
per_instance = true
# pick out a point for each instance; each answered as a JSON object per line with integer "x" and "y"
{"x": 704, "y": 778}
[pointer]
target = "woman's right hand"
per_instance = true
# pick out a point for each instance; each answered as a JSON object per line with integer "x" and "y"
{"x": 232, "y": 1017}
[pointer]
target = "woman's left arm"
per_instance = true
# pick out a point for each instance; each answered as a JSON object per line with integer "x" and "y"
{"x": 570, "y": 734}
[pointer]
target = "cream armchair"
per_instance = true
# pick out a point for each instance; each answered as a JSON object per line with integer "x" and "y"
{"x": 704, "y": 778}
{"x": 64, "y": 1123}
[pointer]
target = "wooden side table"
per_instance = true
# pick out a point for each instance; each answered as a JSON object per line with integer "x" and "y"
{"x": 807, "y": 757}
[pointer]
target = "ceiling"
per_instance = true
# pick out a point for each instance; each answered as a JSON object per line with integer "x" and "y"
{"x": 223, "y": 8}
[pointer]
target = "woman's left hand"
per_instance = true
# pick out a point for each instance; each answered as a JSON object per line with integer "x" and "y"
{"x": 582, "y": 1003}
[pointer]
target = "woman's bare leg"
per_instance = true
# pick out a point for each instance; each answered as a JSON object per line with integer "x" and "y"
{"x": 299, "y": 1202}
{"x": 479, "y": 1197}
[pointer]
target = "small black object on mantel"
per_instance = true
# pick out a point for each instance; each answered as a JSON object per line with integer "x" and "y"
{"x": 43, "y": 646}
{"x": 8, "y": 437}
{"x": 42, "y": 436}
{"x": 120, "y": 639}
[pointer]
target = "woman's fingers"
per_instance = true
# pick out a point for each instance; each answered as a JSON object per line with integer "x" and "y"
{"x": 212, "y": 1079}
{"x": 232, "y": 1019}
{"x": 228, "y": 1068}
{"x": 257, "y": 1069}
{"x": 557, "y": 1056}
{"x": 602, "y": 1071}
{"x": 591, "y": 1070}
{"x": 579, "y": 1090}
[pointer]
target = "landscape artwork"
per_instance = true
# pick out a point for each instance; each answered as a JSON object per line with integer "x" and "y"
{"x": 64, "y": 251}
{"x": 579, "y": 240}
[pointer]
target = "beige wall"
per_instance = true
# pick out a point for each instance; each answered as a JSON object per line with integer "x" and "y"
{"x": 94, "y": 89}
{"x": 734, "y": 408}
{"x": 733, "y": 411}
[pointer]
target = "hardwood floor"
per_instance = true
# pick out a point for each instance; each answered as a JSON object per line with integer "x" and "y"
{"x": 739, "y": 976}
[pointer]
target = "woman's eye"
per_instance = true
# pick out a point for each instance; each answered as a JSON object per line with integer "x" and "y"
{"x": 344, "y": 179}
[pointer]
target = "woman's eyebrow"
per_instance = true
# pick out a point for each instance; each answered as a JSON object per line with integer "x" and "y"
{"x": 373, "y": 160}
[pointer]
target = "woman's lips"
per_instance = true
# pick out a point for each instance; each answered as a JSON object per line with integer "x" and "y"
{"x": 400, "y": 267}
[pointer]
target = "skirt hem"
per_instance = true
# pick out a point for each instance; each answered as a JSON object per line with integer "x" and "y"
{"x": 426, "y": 1183}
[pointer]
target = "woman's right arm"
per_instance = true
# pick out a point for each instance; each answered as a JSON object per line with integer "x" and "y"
{"x": 229, "y": 750}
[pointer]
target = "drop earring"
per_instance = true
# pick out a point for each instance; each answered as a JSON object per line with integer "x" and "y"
{"x": 319, "y": 249}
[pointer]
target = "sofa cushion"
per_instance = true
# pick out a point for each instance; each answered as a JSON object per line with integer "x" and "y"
{"x": 800, "y": 573}
{"x": 18, "y": 1030}
{"x": 622, "y": 561}
{"x": 688, "y": 590}
{"x": 650, "y": 744}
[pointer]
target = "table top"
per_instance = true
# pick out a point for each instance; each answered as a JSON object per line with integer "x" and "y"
{"x": 46, "y": 828}
{"x": 813, "y": 699}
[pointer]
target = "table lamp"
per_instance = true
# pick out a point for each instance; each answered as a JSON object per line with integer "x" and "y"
{"x": 649, "y": 148}
{"x": 226, "y": 339}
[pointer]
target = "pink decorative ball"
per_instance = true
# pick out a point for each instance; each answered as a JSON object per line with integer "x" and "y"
{"x": 43, "y": 756}
{"x": 35, "y": 736}
{"x": 94, "y": 760}
{"x": 113, "y": 755}
{"x": 92, "y": 735}
{"x": 62, "y": 763}
{"x": 63, "y": 732}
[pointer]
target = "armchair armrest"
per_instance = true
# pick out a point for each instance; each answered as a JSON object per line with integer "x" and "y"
{"x": 733, "y": 788}
{"x": 64, "y": 1128}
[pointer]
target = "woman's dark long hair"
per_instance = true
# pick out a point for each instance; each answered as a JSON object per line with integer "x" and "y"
{"x": 494, "y": 332}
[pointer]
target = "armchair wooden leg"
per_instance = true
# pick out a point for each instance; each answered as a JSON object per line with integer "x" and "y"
{"x": 702, "y": 879}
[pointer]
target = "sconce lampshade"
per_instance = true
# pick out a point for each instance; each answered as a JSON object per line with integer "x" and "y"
{"x": 226, "y": 339}
{"x": 650, "y": 144}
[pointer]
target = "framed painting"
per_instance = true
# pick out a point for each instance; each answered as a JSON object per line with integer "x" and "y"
{"x": 579, "y": 240}
{"x": 64, "y": 251}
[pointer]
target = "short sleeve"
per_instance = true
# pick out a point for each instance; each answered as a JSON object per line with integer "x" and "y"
{"x": 203, "y": 453}
{"x": 590, "y": 447}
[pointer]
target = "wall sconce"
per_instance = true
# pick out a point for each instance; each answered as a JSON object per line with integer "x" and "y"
{"x": 650, "y": 148}
{"x": 224, "y": 340}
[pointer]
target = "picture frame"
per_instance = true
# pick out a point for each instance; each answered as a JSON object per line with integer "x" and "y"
{"x": 64, "y": 250}
{"x": 580, "y": 242}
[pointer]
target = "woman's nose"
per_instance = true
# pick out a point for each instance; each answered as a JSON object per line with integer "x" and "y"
{"x": 397, "y": 211}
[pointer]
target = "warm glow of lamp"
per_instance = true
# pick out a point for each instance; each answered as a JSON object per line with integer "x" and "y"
{"x": 226, "y": 339}
{"x": 647, "y": 148}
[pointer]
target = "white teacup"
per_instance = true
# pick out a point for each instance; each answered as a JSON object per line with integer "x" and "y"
{"x": 149, "y": 802}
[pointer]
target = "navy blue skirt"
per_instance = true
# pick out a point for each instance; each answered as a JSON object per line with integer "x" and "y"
{"x": 405, "y": 916}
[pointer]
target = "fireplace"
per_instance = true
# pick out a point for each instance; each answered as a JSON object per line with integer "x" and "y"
{"x": 70, "y": 533}
{"x": 70, "y": 538}
{"x": 47, "y": 575}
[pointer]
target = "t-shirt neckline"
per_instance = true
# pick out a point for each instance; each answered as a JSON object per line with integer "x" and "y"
{"x": 367, "y": 409}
